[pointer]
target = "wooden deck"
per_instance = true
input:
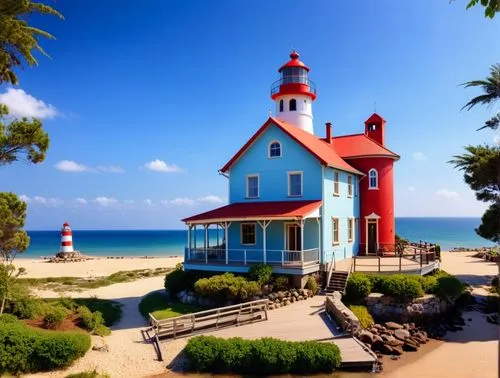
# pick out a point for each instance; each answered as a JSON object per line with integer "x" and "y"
{"x": 392, "y": 265}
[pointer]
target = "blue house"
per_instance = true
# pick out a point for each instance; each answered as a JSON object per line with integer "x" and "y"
{"x": 294, "y": 202}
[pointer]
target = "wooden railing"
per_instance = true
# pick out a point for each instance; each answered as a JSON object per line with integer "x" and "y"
{"x": 208, "y": 320}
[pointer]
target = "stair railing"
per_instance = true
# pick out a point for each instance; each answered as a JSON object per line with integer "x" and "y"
{"x": 331, "y": 268}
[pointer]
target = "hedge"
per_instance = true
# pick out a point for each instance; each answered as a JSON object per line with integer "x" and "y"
{"x": 358, "y": 287}
{"x": 261, "y": 357}
{"x": 179, "y": 280}
{"x": 261, "y": 273}
{"x": 25, "y": 350}
{"x": 226, "y": 285}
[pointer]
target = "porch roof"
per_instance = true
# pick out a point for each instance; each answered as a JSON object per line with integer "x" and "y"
{"x": 267, "y": 210}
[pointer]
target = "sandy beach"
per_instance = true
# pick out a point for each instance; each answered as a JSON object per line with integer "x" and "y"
{"x": 472, "y": 352}
{"x": 95, "y": 267}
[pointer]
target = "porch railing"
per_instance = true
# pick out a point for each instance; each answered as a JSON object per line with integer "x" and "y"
{"x": 284, "y": 258}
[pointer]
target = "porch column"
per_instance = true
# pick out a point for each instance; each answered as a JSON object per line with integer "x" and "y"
{"x": 264, "y": 225}
{"x": 226, "y": 233}
{"x": 217, "y": 229}
{"x": 195, "y": 236}
{"x": 189, "y": 242}
{"x": 319, "y": 239}
{"x": 302, "y": 241}
{"x": 205, "y": 242}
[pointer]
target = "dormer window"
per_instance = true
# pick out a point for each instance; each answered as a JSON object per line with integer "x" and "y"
{"x": 281, "y": 106}
{"x": 293, "y": 105}
{"x": 373, "y": 177}
{"x": 274, "y": 149}
{"x": 372, "y": 127}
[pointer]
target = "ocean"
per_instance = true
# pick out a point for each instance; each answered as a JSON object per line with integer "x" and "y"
{"x": 448, "y": 232}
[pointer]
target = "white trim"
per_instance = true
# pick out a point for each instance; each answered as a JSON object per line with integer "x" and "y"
{"x": 254, "y": 224}
{"x": 338, "y": 231}
{"x": 258, "y": 185}
{"x": 301, "y": 183}
{"x": 336, "y": 174}
{"x": 372, "y": 216}
{"x": 285, "y": 244}
{"x": 269, "y": 149}
{"x": 351, "y": 186}
{"x": 351, "y": 225}
{"x": 370, "y": 179}
{"x": 370, "y": 219}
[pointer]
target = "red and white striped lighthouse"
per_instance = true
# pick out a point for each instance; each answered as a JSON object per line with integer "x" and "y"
{"x": 66, "y": 239}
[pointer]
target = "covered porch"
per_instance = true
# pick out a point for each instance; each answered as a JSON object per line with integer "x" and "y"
{"x": 286, "y": 235}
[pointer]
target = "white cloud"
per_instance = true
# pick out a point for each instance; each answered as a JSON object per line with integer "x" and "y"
{"x": 411, "y": 188}
{"x": 71, "y": 166}
{"x": 106, "y": 201}
{"x": 447, "y": 193}
{"x": 129, "y": 202}
{"x": 211, "y": 199}
{"x": 419, "y": 156}
{"x": 110, "y": 169}
{"x": 147, "y": 202}
{"x": 24, "y": 198}
{"x": 54, "y": 202}
{"x": 160, "y": 166}
{"x": 21, "y": 104}
{"x": 180, "y": 202}
{"x": 81, "y": 201}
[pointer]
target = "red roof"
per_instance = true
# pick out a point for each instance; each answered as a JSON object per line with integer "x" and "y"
{"x": 294, "y": 62}
{"x": 316, "y": 146}
{"x": 357, "y": 145}
{"x": 257, "y": 211}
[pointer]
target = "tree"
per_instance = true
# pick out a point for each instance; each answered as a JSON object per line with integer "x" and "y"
{"x": 13, "y": 240}
{"x": 20, "y": 138}
{"x": 18, "y": 40}
{"x": 490, "y": 223}
{"x": 490, "y": 6}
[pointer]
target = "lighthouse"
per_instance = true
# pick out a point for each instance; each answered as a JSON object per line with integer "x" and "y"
{"x": 294, "y": 94}
{"x": 66, "y": 239}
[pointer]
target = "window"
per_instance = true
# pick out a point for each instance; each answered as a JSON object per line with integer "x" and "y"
{"x": 373, "y": 176}
{"x": 336, "y": 183}
{"x": 372, "y": 127}
{"x": 281, "y": 106}
{"x": 293, "y": 105}
{"x": 248, "y": 233}
{"x": 350, "y": 229}
{"x": 349, "y": 186}
{"x": 355, "y": 187}
{"x": 335, "y": 231}
{"x": 274, "y": 149}
{"x": 252, "y": 186}
{"x": 295, "y": 184}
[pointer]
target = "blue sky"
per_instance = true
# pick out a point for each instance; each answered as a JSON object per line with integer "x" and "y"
{"x": 144, "y": 103}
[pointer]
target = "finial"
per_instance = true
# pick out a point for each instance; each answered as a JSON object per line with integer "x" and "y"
{"x": 294, "y": 54}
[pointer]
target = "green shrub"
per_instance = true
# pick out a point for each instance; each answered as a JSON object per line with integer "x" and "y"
{"x": 179, "y": 280}
{"x": 361, "y": 312}
{"x": 280, "y": 283}
{"x": 92, "y": 321}
{"x": 402, "y": 287}
{"x": 55, "y": 316}
{"x": 226, "y": 285}
{"x": 88, "y": 374}
{"x": 312, "y": 285}
{"x": 449, "y": 287}
{"x": 261, "y": 273}
{"x": 358, "y": 286}
{"x": 24, "y": 349}
{"x": 437, "y": 251}
{"x": 23, "y": 305}
{"x": 8, "y": 319}
{"x": 260, "y": 357}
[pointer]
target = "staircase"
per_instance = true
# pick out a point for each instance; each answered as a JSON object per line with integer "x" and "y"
{"x": 337, "y": 282}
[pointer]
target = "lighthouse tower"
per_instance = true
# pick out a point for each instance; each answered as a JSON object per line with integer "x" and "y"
{"x": 294, "y": 94}
{"x": 66, "y": 239}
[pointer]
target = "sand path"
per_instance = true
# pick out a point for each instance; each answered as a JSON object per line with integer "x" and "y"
{"x": 472, "y": 352}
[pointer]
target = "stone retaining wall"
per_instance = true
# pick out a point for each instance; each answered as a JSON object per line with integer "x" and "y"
{"x": 384, "y": 307}
{"x": 341, "y": 313}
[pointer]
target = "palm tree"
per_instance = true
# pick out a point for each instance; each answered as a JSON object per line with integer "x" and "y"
{"x": 17, "y": 38}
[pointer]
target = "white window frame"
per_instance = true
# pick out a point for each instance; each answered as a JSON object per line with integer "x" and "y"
{"x": 349, "y": 186}
{"x": 254, "y": 232}
{"x": 289, "y": 174}
{"x": 373, "y": 170}
{"x": 248, "y": 187}
{"x": 336, "y": 183}
{"x": 350, "y": 230}
{"x": 356, "y": 186}
{"x": 269, "y": 149}
{"x": 336, "y": 232}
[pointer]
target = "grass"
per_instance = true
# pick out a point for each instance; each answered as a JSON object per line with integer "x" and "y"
{"x": 80, "y": 283}
{"x": 361, "y": 312}
{"x": 111, "y": 311}
{"x": 88, "y": 374}
{"x": 157, "y": 304}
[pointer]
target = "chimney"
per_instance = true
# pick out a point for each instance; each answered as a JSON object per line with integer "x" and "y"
{"x": 328, "y": 132}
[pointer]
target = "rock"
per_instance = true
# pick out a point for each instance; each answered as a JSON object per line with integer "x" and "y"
{"x": 280, "y": 295}
{"x": 397, "y": 351}
{"x": 296, "y": 294}
{"x": 379, "y": 327}
{"x": 377, "y": 346}
{"x": 270, "y": 307}
{"x": 401, "y": 334}
{"x": 395, "y": 343}
{"x": 300, "y": 297}
{"x": 386, "y": 349}
{"x": 305, "y": 292}
{"x": 393, "y": 325}
{"x": 292, "y": 299}
{"x": 286, "y": 302}
{"x": 377, "y": 338}
{"x": 409, "y": 347}
{"x": 101, "y": 348}
{"x": 366, "y": 337}
{"x": 374, "y": 330}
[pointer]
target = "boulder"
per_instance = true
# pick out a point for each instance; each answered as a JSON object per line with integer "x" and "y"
{"x": 377, "y": 338}
{"x": 379, "y": 327}
{"x": 386, "y": 349}
{"x": 388, "y": 338}
{"x": 395, "y": 343}
{"x": 409, "y": 347}
{"x": 280, "y": 295}
{"x": 366, "y": 337}
{"x": 397, "y": 351}
{"x": 401, "y": 334}
{"x": 374, "y": 330}
{"x": 393, "y": 325}
{"x": 295, "y": 294}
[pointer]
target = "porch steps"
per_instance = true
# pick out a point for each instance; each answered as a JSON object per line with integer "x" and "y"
{"x": 337, "y": 282}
